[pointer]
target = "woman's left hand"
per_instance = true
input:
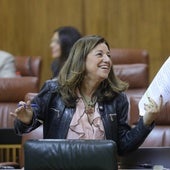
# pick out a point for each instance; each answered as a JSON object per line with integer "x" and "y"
{"x": 152, "y": 109}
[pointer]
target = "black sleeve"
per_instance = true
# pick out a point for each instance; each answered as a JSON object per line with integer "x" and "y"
{"x": 41, "y": 100}
{"x": 129, "y": 139}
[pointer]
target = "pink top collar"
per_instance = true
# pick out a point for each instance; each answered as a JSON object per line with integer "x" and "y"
{"x": 80, "y": 128}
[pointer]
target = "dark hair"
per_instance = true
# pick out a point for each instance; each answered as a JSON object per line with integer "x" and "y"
{"x": 73, "y": 72}
{"x": 68, "y": 35}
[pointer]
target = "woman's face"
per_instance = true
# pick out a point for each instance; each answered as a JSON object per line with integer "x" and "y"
{"x": 55, "y": 46}
{"x": 98, "y": 63}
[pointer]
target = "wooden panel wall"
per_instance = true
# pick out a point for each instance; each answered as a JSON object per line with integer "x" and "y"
{"x": 132, "y": 24}
{"x": 26, "y": 26}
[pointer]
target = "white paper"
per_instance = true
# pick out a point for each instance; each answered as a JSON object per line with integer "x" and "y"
{"x": 160, "y": 85}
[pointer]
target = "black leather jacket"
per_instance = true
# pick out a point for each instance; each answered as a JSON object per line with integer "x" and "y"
{"x": 56, "y": 118}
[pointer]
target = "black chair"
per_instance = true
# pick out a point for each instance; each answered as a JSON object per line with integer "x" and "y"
{"x": 62, "y": 154}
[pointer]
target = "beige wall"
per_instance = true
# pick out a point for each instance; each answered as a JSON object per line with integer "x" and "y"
{"x": 26, "y": 26}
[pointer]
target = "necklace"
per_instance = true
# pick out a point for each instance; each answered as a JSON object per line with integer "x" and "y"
{"x": 89, "y": 104}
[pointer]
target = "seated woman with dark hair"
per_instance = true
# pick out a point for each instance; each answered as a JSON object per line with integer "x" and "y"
{"x": 62, "y": 40}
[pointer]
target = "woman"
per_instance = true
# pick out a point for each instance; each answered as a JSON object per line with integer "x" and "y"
{"x": 86, "y": 102}
{"x": 62, "y": 40}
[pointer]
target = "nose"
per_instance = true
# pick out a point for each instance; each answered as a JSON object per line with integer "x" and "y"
{"x": 51, "y": 44}
{"x": 106, "y": 58}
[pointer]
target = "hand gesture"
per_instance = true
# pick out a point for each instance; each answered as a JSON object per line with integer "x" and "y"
{"x": 152, "y": 109}
{"x": 24, "y": 112}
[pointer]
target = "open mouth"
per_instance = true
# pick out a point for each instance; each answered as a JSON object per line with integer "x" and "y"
{"x": 105, "y": 67}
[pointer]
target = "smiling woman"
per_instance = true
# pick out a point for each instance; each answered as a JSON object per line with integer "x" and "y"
{"x": 87, "y": 101}
{"x": 98, "y": 63}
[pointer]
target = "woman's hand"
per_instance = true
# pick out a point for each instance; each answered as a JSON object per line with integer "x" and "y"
{"x": 24, "y": 112}
{"x": 152, "y": 109}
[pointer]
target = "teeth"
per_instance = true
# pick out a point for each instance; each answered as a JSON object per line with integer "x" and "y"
{"x": 105, "y": 67}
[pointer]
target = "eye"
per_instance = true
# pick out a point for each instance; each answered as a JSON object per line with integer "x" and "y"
{"x": 56, "y": 41}
{"x": 109, "y": 55}
{"x": 99, "y": 54}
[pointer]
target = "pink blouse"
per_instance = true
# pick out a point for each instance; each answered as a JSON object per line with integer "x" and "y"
{"x": 81, "y": 128}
